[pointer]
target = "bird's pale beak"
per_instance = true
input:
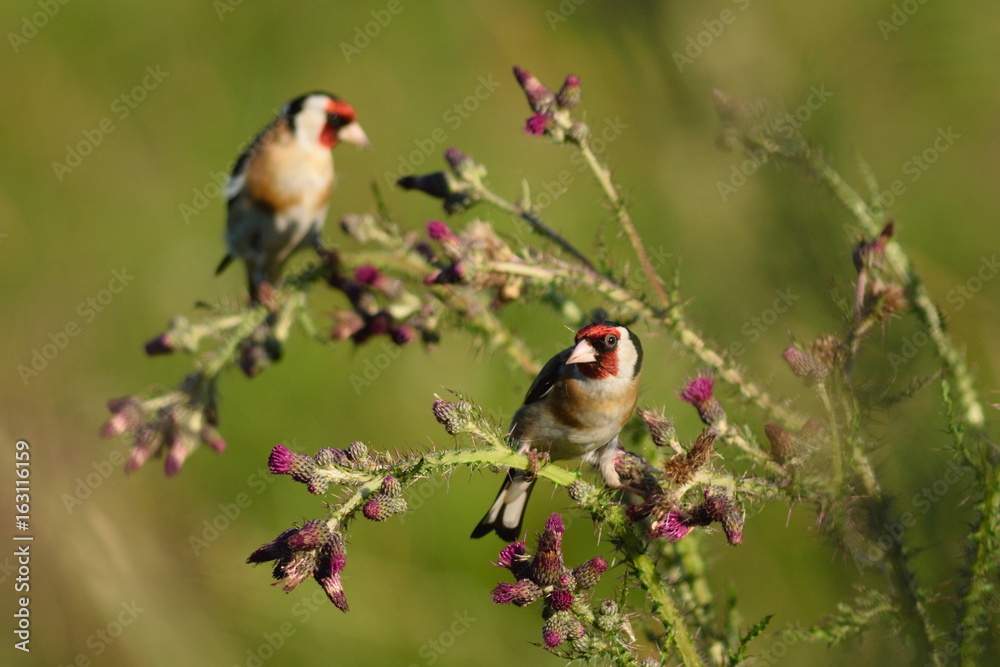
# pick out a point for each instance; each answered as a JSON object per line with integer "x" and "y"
{"x": 583, "y": 353}
{"x": 353, "y": 134}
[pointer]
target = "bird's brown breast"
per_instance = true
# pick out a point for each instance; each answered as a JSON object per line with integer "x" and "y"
{"x": 270, "y": 180}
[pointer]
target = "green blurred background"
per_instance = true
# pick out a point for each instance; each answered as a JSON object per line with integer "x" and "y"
{"x": 418, "y": 587}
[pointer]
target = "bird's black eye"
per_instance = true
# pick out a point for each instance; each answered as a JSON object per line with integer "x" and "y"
{"x": 610, "y": 341}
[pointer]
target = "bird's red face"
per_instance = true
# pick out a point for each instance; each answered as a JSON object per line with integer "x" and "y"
{"x": 341, "y": 125}
{"x": 597, "y": 350}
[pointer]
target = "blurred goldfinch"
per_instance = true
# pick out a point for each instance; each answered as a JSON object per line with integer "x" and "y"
{"x": 280, "y": 186}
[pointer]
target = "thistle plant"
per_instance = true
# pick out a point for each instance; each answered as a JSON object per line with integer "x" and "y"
{"x": 421, "y": 282}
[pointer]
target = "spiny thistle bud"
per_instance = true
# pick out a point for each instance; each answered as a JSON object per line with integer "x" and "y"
{"x": 540, "y": 98}
{"x": 380, "y": 507}
{"x": 560, "y": 600}
{"x": 458, "y": 161}
{"x": 578, "y": 132}
{"x": 358, "y": 451}
{"x": 211, "y": 437}
{"x": 560, "y": 627}
{"x": 782, "y": 446}
{"x": 582, "y": 644}
{"x": 522, "y": 593}
{"x": 181, "y": 447}
{"x": 699, "y": 393}
{"x": 608, "y": 608}
{"x": 720, "y": 507}
{"x": 588, "y": 574}
{"x": 284, "y": 461}
{"x": 827, "y": 350}
{"x": 311, "y": 535}
{"x": 318, "y": 484}
{"x": 661, "y": 429}
{"x": 391, "y": 487}
{"x": 582, "y": 492}
{"x": 147, "y": 441}
{"x": 804, "y": 365}
{"x": 126, "y": 415}
{"x": 569, "y": 95}
{"x": 454, "y": 417}
{"x": 329, "y": 456}
{"x": 606, "y": 622}
{"x": 162, "y": 344}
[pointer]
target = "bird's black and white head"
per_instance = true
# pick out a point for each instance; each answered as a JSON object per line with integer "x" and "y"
{"x": 605, "y": 351}
{"x": 324, "y": 119}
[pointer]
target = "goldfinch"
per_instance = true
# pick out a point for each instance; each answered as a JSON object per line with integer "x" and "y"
{"x": 280, "y": 186}
{"x": 575, "y": 409}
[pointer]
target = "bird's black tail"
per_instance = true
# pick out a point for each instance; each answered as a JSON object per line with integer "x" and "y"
{"x": 507, "y": 513}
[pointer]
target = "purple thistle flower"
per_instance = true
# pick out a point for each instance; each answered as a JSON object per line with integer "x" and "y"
{"x": 673, "y": 527}
{"x": 511, "y": 554}
{"x": 536, "y": 125}
{"x": 273, "y": 550}
{"x": 720, "y": 507}
{"x": 284, "y": 461}
{"x": 450, "y": 416}
{"x": 555, "y": 524}
{"x": 698, "y": 390}
{"x": 540, "y": 98}
{"x": 367, "y": 274}
{"x": 334, "y": 590}
{"x": 547, "y": 566}
{"x": 521, "y": 593}
{"x": 560, "y": 600}
{"x": 310, "y": 550}
{"x": 699, "y": 393}
{"x": 552, "y": 638}
{"x": 569, "y": 95}
{"x": 338, "y": 553}
{"x": 439, "y": 231}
